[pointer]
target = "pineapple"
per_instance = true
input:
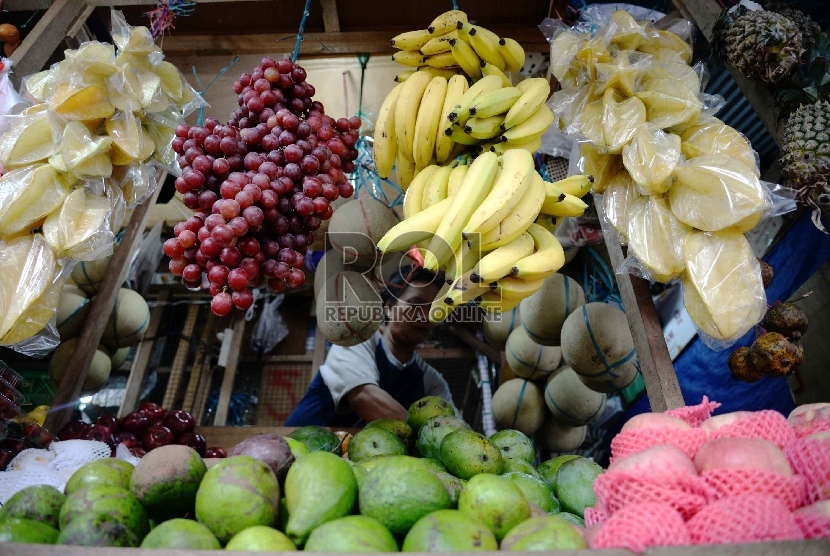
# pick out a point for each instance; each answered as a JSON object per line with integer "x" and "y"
{"x": 805, "y": 154}
{"x": 759, "y": 44}
{"x": 809, "y": 29}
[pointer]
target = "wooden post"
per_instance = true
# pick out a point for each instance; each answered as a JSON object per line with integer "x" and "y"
{"x": 331, "y": 21}
{"x": 202, "y": 355}
{"x": 230, "y": 371}
{"x": 45, "y": 37}
{"x": 100, "y": 308}
{"x": 179, "y": 360}
{"x": 653, "y": 354}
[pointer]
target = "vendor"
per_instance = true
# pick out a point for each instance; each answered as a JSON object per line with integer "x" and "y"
{"x": 383, "y": 376}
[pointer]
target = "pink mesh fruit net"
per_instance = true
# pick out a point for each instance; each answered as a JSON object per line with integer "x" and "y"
{"x": 815, "y": 426}
{"x": 687, "y": 494}
{"x": 633, "y": 441}
{"x": 694, "y": 415}
{"x": 810, "y": 458}
{"x": 635, "y": 528}
{"x": 814, "y": 526}
{"x": 792, "y": 491}
{"x": 744, "y": 518}
{"x": 767, "y": 425}
{"x": 594, "y": 515}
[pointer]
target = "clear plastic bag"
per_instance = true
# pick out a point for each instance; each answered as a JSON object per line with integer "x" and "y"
{"x": 621, "y": 118}
{"x": 270, "y": 328}
{"x": 655, "y": 240}
{"x": 132, "y": 88}
{"x": 615, "y": 201}
{"x": 10, "y": 101}
{"x": 714, "y": 192}
{"x": 28, "y": 138}
{"x": 137, "y": 182}
{"x": 83, "y": 153}
{"x": 677, "y": 71}
{"x": 669, "y": 102}
{"x": 624, "y": 72}
{"x": 130, "y": 141}
{"x": 162, "y": 137}
{"x": 92, "y": 62}
{"x": 650, "y": 159}
{"x": 27, "y": 195}
{"x": 722, "y": 287}
{"x": 601, "y": 166}
{"x": 716, "y": 137}
{"x": 133, "y": 40}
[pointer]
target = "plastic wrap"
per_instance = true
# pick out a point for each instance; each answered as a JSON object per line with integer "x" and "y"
{"x": 27, "y": 138}
{"x": 655, "y": 239}
{"x": 676, "y": 71}
{"x": 83, "y": 153}
{"x": 162, "y": 137}
{"x": 133, "y": 41}
{"x": 27, "y": 195}
{"x": 621, "y": 117}
{"x": 137, "y": 182}
{"x": 600, "y": 165}
{"x": 93, "y": 62}
{"x": 130, "y": 141}
{"x": 715, "y": 137}
{"x": 270, "y": 328}
{"x": 650, "y": 159}
{"x": 624, "y": 72}
{"x": 714, "y": 192}
{"x": 669, "y": 102}
{"x": 30, "y": 287}
{"x": 564, "y": 46}
{"x": 10, "y": 101}
{"x": 615, "y": 201}
{"x": 673, "y": 44}
{"x": 82, "y": 228}
{"x": 722, "y": 287}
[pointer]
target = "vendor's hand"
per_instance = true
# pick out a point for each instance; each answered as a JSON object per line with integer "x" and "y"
{"x": 372, "y": 402}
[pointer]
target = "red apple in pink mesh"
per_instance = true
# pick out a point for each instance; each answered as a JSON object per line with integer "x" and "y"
{"x": 812, "y": 416}
{"x": 654, "y": 421}
{"x": 712, "y": 424}
{"x": 662, "y": 458}
{"x": 741, "y": 453}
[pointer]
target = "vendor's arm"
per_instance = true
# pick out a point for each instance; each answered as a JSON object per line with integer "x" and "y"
{"x": 371, "y": 402}
{"x": 435, "y": 385}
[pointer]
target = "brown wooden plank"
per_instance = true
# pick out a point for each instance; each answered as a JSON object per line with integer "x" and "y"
{"x": 101, "y": 306}
{"x": 655, "y": 362}
{"x": 331, "y": 21}
{"x": 198, "y": 364}
{"x": 315, "y": 44}
{"x": 203, "y": 390}
{"x": 230, "y": 371}
{"x": 45, "y": 37}
{"x": 180, "y": 359}
{"x": 141, "y": 362}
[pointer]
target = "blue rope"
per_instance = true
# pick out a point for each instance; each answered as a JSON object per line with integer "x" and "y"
{"x": 205, "y": 89}
{"x": 365, "y": 178}
{"x": 300, "y": 32}
{"x": 454, "y": 5}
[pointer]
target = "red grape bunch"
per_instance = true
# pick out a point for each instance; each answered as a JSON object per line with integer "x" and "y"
{"x": 259, "y": 186}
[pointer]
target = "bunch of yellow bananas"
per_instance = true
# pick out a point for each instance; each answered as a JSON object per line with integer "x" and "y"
{"x": 489, "y": 226}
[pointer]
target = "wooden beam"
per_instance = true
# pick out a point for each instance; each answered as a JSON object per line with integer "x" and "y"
{"x": 314, "y": 44}
{"x": 202, "y": 354}
{"x": 469, "y": 338}
{"x": 180, "y": 359}
{"x": 652, "y": 353}
{"x": 226, "y": 390}
{"x": 703, "y": 14}
{"x": 77, "y": 368}
{"x": 45, "y": 37}
{"x": 331, "y": 21}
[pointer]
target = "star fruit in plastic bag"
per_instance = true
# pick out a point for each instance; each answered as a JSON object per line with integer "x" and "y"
{"x": 27, "y": 195}
{"x": 620, "y": 119}
{"x": 655, "y": 237}
{"x": 28, "y": 269}
{"x": 602, "y": 166}
{"x": 666, "y": 41}
{"x": 80, "y": 228}
{"x": 650, "y": 158}
{"x": 617, "y": 198}
{"x": 718, "y": 138}
{"x": 29, "y": 138}
{"x": 669, "y": 102}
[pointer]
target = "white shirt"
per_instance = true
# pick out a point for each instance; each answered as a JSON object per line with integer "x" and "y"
{"x": 346, "y": 368}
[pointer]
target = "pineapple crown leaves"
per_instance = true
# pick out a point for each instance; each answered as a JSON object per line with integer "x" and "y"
{"x": 810, "y": 82}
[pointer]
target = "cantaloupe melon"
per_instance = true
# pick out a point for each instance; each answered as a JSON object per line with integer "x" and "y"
{"x": 99, "y": 369}
{"x": 543, "y": 313}
{"x": 73, "y": 309}
{"x": 571, "y": 402}
{"x": 597, "y": 343}
{"x": 357, "y": 226}
{"x": 557, "y": 438}
{"x": 518, "y": 404}
{"x": 119, "y": 357}
{"x": 330, "y": 264}
{"x": 608, "y": 384}
{"x": 349, "y": 309}
{"x": 128, "y": 321}
{"x": 89, "y": 275}
{"x": 528, "y": 359}
{"x": 497, "y": 328}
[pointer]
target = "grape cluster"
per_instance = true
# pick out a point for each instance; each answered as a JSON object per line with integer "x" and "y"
{"x": 259, "y": 186}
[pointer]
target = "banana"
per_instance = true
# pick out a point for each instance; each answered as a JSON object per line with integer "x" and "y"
{"x": 535, "y": 92}
{"x": 463, "y": 28}
{"x": 537, "y": 124}
{"x": 435, "y": 72}
{"x": 495, "y": 102}
{"x": 494, "y": 302}
{"x": 413, "y": 200}
{"x": 569, "y": 206}
{"x": 508, "y": 189}
{"x": 486, "y": 45}
{"x": 445, "y": 60}
{"x": 456, "y": 87}
{"x": 548, "y": 257}
{"x": 489, "y": 69}
{"x": 446, "y": 22}
{"x": 458, "y": 135}
{"x": 406, "y": 111}
{"x": 577, "y": 185}
{"x": 511, "y": 287}
{"x": 500, "y": 148}
{"x": 385, "y": 145}
{"x": 413, "y": 230}
{"x": 463, "y": 260}
{"x": 513, "y": 54}
{"x": 548, "y": 222}
{"x": 472, "y": 192}
{"x": 411, "y": 40}
{"x": 409, "y": 58}
{"x": 436, "y": 191}
{"x": 484, "y": 128}
{"x": 466, "y": 58}
{"x": 499, "y": 263}
{"x": 464, "y": 290}
{"x": 553, "y": 194}
{"x": 440, "y": 44}
{"x": 461, "y": 111}
{"x": 405, "y": 169}
{"x": 518, "y": 219}
{"x": 426, "y": 125}
{"x": 404, "y": 75}
{"x": 456, "y": 178}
